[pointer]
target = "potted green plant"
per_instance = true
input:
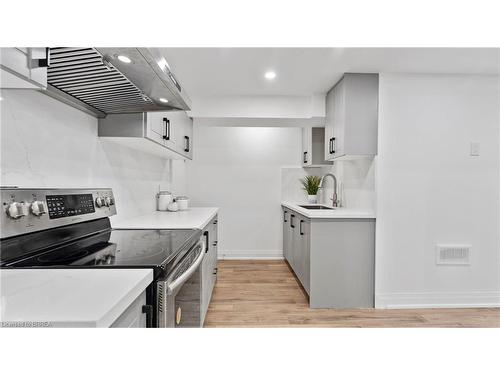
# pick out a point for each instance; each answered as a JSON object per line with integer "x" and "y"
{"x": 311, "y": 186}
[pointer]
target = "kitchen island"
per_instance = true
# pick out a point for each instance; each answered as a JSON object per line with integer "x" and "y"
{"x": 332, "y": 253}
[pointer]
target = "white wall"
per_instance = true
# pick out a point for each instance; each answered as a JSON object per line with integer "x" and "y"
{"x": 239, "y": 170}
{"x": 431, "y": 191}
{"x": 45, "y": 143}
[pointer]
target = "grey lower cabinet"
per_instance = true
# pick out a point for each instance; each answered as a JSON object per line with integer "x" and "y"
{"x": 209, "y": 265}
{"x": 334, "y": 259}
{"x": 296, "y": 235}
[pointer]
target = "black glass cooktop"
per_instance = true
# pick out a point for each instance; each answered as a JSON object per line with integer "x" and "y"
{"x": 160, "y": 249}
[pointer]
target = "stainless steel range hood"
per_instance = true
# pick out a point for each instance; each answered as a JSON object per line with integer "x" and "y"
{"x": 96, "y": 81}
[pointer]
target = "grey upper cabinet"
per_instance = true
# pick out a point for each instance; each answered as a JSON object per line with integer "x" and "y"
{"x": 23, "y": 68}
{"x": 209, "y": 265}
{"x": 313, "y": 140}
{"x": 166, "y": 134}
{"x": 351, "y": 126}
{"x": 306, "y": 146}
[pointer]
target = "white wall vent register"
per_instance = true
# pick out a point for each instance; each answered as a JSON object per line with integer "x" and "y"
{"x": 453, "y": 254}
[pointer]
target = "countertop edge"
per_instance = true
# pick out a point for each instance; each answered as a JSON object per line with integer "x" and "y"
{"x": 114, "y": 313}
{"x": 125, "y": 224}
{"x": 341, "y": 213}
{"x": 104, "y": 318}
{"x": 209, "y": 217}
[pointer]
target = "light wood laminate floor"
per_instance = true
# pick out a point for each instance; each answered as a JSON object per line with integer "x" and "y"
{"x": 252, "y": 293}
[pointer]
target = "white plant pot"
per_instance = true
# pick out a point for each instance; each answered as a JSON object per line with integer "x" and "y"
{"x": 312, "y": 198}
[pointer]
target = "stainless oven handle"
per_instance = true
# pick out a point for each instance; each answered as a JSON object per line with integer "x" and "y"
{"x": 173, "y": 286}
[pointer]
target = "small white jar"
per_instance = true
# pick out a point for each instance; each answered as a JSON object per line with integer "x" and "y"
{"x": 182, "y": 203}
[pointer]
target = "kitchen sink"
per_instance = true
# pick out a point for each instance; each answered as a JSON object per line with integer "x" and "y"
{"x": 317, "y": 207}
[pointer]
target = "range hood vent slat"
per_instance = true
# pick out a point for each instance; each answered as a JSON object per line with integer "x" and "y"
{"x": 93, "y": 78}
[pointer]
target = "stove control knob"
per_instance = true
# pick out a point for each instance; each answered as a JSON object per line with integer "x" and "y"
{"x": 107, "y": 201}
{"x": 16, "y": 210}
{"x": 38, "y": 208}
{"x": 99, "y": 202}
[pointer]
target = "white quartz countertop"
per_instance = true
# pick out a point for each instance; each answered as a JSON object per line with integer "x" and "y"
{"x": 337, "y": 213}
{"x": 194, "y": 217}
{"x": 69, "y": 297}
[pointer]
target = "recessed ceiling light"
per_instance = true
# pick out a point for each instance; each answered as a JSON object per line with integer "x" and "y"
{"x": 163, "y": 100}
{"x": 124, "y": 59}
{"x": 270, "y": 75}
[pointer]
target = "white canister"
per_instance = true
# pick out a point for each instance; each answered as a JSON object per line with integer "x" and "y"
{"x": 163, "y": 199}
{"x": 182, "y": 203}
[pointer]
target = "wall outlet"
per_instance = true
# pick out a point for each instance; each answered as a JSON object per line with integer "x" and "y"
{"x": 475, "y": 148}
{"x": 453, "y": 255}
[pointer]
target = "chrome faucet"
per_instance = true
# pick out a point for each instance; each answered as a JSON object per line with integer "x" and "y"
{"x": 334, "y": 199}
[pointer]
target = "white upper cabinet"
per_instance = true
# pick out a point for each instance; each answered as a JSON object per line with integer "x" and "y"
{"x": 167, "y": 134}
{"x": 176, "y": 129}
{"x": 23, "y": 68}
{"x": 352, "y": 117}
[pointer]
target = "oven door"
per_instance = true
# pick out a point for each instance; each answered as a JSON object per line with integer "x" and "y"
{"x": 179, "y": 295}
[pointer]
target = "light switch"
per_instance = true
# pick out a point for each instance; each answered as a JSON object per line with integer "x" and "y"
{"x": 474, "y": 148}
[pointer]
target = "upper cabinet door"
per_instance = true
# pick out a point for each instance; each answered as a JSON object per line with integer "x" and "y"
{"x": 306, "y": 146}
{"x": 176, "y": 130}
{"x": 338, "y": 133}
{"x": 181, "y": 132}
{"x": 330, "y": 97}
{"x": 156, "y": 127}
{"x": 352, "y": 117}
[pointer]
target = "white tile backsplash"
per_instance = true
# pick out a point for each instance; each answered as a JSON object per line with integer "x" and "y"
{"x": 356, "y": 183}
{"x": 45, "y": 143}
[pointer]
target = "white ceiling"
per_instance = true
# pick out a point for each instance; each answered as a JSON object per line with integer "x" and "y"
{"x": 306, "y": 71}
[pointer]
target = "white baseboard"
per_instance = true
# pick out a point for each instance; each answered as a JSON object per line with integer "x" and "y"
{"x": 251, "y": 254}
{"x": 437, "y": 300}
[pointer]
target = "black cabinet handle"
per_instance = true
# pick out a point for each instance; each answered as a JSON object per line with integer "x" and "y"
{"x": 166, "y": 121}
{"x": 291, "y": 221}
{"x": 215, "y": 243}
{"x": 305, "y": 157}
{"x": 187, "y": 143}
{"x": 284, "y": 216}
{"x": 330, "y": 148}
{"x": 333, "y": 145}
{"x": 148, "y": 310}
{"x": 206, "y": 241}
{"x": 300, "y": 228}
{"x": 215, "y": 222}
